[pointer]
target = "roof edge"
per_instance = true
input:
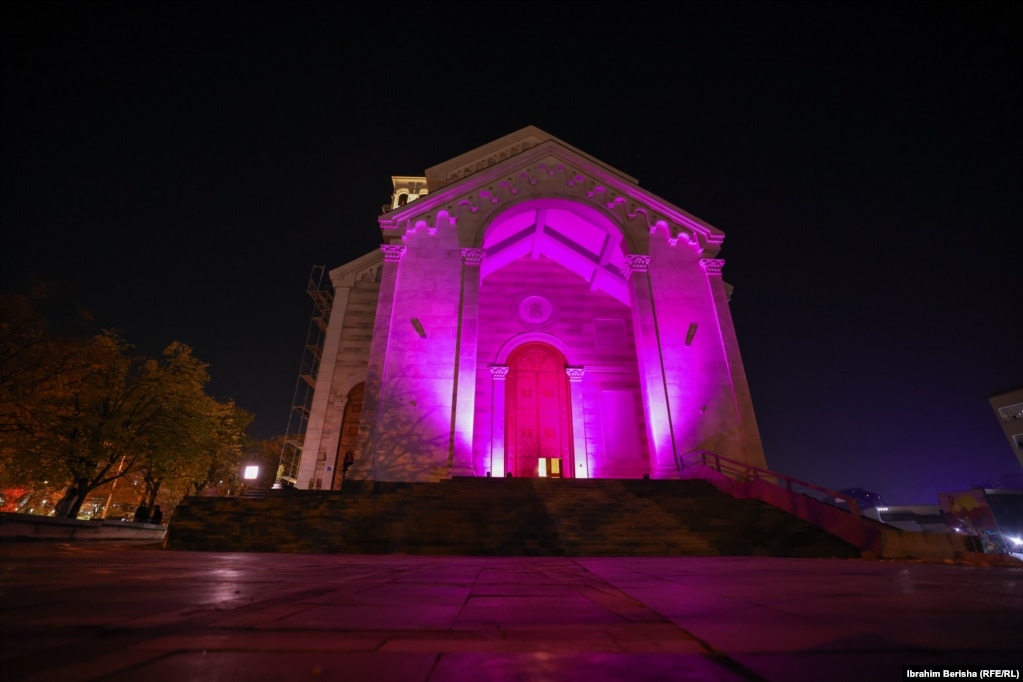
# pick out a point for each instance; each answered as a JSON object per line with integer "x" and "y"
{"x": 503, "y": 148}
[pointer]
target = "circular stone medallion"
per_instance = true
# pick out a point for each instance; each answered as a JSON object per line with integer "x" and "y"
{"x": 534, "y": 310}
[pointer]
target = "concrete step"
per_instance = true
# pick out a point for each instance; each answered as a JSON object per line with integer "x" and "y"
{"x": 512, "y": 517}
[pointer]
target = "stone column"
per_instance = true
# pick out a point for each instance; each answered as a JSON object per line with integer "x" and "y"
{"x": 314, "y": 450}
{"x": 364, "y": 466}
{"x": 497, "y": 455}
{"x": 465, "y": 372}
{"x": 752, "y": 448}
{"x": 660, "y": 434}
{"x": 580, "y": 457}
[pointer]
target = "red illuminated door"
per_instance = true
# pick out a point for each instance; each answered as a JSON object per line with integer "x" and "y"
{"x": 538, "y": 409}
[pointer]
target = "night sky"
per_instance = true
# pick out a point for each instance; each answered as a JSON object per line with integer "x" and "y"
{"x": 178, "y": 168}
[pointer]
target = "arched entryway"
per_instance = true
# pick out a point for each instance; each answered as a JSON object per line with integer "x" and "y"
{"x": 349, "y": 432}
{"x": 538, "y": 412}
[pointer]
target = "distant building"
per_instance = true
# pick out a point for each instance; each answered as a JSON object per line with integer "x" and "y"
{"x": 532, "y": 312}
{"x": 921, "y": 518}
{"x": 1008, "y": 407}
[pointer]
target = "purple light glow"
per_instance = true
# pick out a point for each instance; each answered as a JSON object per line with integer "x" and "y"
{"x": 576, "y": 236}
{"x": 553, "y": 316}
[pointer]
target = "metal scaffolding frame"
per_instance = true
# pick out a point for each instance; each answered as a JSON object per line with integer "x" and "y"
{"x": 321, "y": 292}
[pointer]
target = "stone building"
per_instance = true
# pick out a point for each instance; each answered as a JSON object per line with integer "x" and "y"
{"x": 1008, "y": 407}
{"x": 532, "y": 311}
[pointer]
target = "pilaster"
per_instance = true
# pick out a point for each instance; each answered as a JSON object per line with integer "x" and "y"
{"x": 499, "y": 374}
{"x": 752, "y": 447}
{"x": 660, "y": 435}
{"x": 465, "y": 372}
{"x": 314, "y": 449}
{"x": 365, "y": 464}
{"x": 579, "y": 454}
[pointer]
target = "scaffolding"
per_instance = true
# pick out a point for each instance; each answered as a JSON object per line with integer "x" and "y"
{"x": 321, "y": 292}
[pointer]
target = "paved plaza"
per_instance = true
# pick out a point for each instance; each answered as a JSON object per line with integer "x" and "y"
{"x": 94, "y": 611}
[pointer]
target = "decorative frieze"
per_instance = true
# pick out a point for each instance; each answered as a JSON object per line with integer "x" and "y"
{"x": 493, "y": 157}
{"x": 393, "y": 253}
{"x": 499, "y": 372}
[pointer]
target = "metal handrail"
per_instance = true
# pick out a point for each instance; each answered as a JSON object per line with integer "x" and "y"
{"x": 753, "y": 473}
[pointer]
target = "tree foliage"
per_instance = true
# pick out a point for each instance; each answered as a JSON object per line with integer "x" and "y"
{"x": 33, "y": 363}
{"x": 207, "y": 449}
{"x": 87, "y": 411}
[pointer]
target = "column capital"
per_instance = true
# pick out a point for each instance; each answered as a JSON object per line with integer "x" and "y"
{"x": 499, "y": 372}
{"x": 575, "y": 374}
{"x": 712, "y": 266}
{"x": 393, "y": 253}
{"x": 340, "y": 402}
{"x": 473, "y": 256}
{"x": 635, "y": 263}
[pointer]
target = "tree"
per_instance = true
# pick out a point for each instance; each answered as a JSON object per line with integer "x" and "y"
{"x": 87, "y": 411}
{"x": 225, "y": 447}
{"x": 110, "y": 412}
{"x": 209, "y": 450}
{"x": 34, "y": 364}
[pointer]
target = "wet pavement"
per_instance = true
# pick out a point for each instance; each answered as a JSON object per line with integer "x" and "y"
{"x": 102, "y": 612}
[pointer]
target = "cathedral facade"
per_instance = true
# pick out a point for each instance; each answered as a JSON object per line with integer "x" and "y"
{"x": 531, "y": 312}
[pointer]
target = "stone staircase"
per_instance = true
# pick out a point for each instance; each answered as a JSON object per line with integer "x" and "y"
{"x": 603, "y": 518}
{"x": 501, "y": 517}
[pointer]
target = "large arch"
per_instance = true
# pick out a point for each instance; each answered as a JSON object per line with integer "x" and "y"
{"x": 513, "y": 344}
{"x": 569, "y": 261}
{"x": 348, "y": 437}
{"x": 575, "y": 235}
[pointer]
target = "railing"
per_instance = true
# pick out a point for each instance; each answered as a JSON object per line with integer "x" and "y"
{"x": 819, "y": 506}
{"x": 741, "y": 471}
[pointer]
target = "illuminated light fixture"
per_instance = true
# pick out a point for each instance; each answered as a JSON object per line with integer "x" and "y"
{"x": 418, "y": 327}
{"x": 691, "y": 333}
{"x": 542, "y": 466}
{"x": 251, "y": 472}
{"x": 1015, "y": 540}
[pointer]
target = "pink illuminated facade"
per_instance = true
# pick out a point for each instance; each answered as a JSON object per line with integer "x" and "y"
{"x": 532, "y": 312}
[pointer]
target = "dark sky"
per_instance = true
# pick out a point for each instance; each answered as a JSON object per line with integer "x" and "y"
{"x": 178, "y": 168}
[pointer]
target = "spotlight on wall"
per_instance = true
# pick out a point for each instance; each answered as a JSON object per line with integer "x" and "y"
{"x": 691, "y": 333}
{"x": 251, "y": 472}
{"x": 418, "y": 327}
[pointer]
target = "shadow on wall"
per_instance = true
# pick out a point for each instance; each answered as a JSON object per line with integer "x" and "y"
{"x": 409, "y": 441}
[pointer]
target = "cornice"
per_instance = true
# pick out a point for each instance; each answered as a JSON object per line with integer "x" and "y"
{"x": 350, "y": 271}
{"x": 550, "y": 169}
{"x": 499, "y": 150}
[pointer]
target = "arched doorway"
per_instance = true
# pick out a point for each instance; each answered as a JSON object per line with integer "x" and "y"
{"x": 538, "y": 410}
{"x": 349, "y": 432}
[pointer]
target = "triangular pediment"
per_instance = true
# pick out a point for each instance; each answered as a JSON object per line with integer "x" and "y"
{"x": 499, "y": 150}
{"x": 533, "y": 165}
{"x": 364, "y": 268}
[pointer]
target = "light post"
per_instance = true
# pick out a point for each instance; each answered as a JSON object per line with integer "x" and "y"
{"x": 250, "y": 474}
